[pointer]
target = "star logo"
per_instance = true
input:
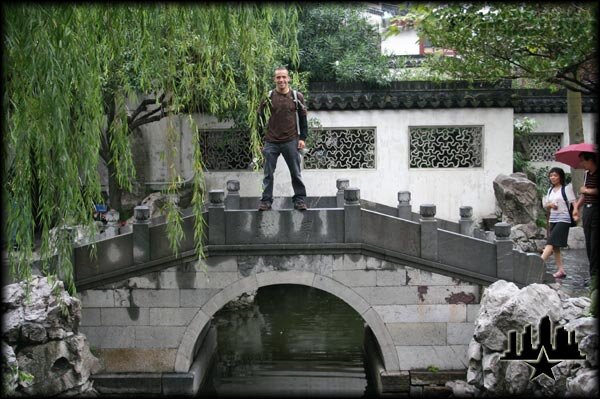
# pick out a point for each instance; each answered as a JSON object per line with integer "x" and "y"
{"x": 551, "y": 350}
{"x": 542, "y": 365}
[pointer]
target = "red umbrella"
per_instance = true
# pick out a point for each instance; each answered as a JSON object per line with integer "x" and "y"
{"x": 570, "y": 154}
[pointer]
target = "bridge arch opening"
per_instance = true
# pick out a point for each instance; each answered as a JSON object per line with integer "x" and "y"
{"x": 189, "y": 345}
{"x": 289, "y": 339}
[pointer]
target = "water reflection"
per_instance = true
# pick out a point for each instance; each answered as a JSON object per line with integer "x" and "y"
{"x": 291, "y": 341}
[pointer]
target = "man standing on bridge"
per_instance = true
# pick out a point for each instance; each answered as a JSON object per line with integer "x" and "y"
{"x": 286, "y": 131}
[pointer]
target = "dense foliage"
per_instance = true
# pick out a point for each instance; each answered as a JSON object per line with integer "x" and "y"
{"x": 337, "y": 44}
{"x": 551, "y": 43}
{"x": 522, "y": 129}
{"x": 80, "y": 78}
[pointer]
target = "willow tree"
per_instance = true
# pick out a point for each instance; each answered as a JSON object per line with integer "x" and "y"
{"x": 80, "y": 78}
{"x": 550, "y": 45}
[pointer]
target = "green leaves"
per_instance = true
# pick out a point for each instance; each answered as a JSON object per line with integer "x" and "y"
{"x": 53, "y": 107}
{"x": 73, "y": 75}
{"x": 543, "y": 42}
{"x": 338, "y": 44}
{"x": 522, "y": 128}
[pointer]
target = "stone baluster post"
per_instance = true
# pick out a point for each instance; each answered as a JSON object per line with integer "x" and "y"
{"x": 504, "y": 254}
{"x": 232, "y": 200}
{"x": 141, "y": 234}
{"x": 429, "y": 233}
{"x": 216, "y": 217}
{"x": 466, "y": 221}
{"x": 112, "y": 224}
{"x": 352, "y": 218}
{"x": 341, "y": 185}
{"x": 404, "y": 207}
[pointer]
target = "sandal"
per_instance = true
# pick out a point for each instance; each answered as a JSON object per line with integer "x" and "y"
{"x": 559, "y": 275}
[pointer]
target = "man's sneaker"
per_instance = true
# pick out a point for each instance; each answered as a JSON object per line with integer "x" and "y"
{"x": 301, "y": 206}
{"x": 264, "y": 206}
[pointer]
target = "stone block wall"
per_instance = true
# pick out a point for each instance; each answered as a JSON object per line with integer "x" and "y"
{"x": 151, "y": 323}
{"x": 430, "y": 319}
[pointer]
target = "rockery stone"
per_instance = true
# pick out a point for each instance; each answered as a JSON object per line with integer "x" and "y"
{"x": 504, "y": 308}
{"x": 40, "y": 338}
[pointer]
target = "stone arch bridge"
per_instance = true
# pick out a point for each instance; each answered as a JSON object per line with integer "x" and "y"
{"x": 415, "y": 280}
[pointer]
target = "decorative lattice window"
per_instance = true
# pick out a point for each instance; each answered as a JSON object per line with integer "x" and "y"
{"x": 341, "y": 148}
{"x": 543, "y": 146}
{"x": 225, "y": 149}
{"x": 446, "y": 146}
{"x": 329, "y": 148}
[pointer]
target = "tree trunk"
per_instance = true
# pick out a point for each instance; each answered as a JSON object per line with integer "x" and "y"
{"x": 114, "y": 190}
{"x": 575, "y": 116}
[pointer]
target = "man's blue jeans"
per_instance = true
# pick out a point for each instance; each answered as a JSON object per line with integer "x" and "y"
{"x": 291, "y": 155}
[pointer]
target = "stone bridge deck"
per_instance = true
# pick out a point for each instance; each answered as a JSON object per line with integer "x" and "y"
{"x": 415, "y": 281}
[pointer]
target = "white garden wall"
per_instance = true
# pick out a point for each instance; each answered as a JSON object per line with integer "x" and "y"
{"x": 448, "y": 188}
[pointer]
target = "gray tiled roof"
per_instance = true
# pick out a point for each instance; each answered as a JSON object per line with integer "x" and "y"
{"x": 423, "y": 94}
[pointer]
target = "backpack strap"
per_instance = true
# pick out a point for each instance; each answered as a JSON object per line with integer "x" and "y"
{"x": 564, "y": 195}
{"x": 295, "y": 94}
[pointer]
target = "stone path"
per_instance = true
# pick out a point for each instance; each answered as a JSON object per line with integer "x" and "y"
{"x": 577, "y": 268}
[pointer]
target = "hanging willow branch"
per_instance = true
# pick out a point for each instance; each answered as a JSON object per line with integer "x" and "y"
{"x": 68, "y": 102}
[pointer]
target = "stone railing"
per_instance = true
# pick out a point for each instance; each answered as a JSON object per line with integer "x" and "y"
{"x": 338, "y": 224}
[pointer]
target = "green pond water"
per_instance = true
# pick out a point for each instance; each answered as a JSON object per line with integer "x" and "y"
{"x": 291, "y": 341}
